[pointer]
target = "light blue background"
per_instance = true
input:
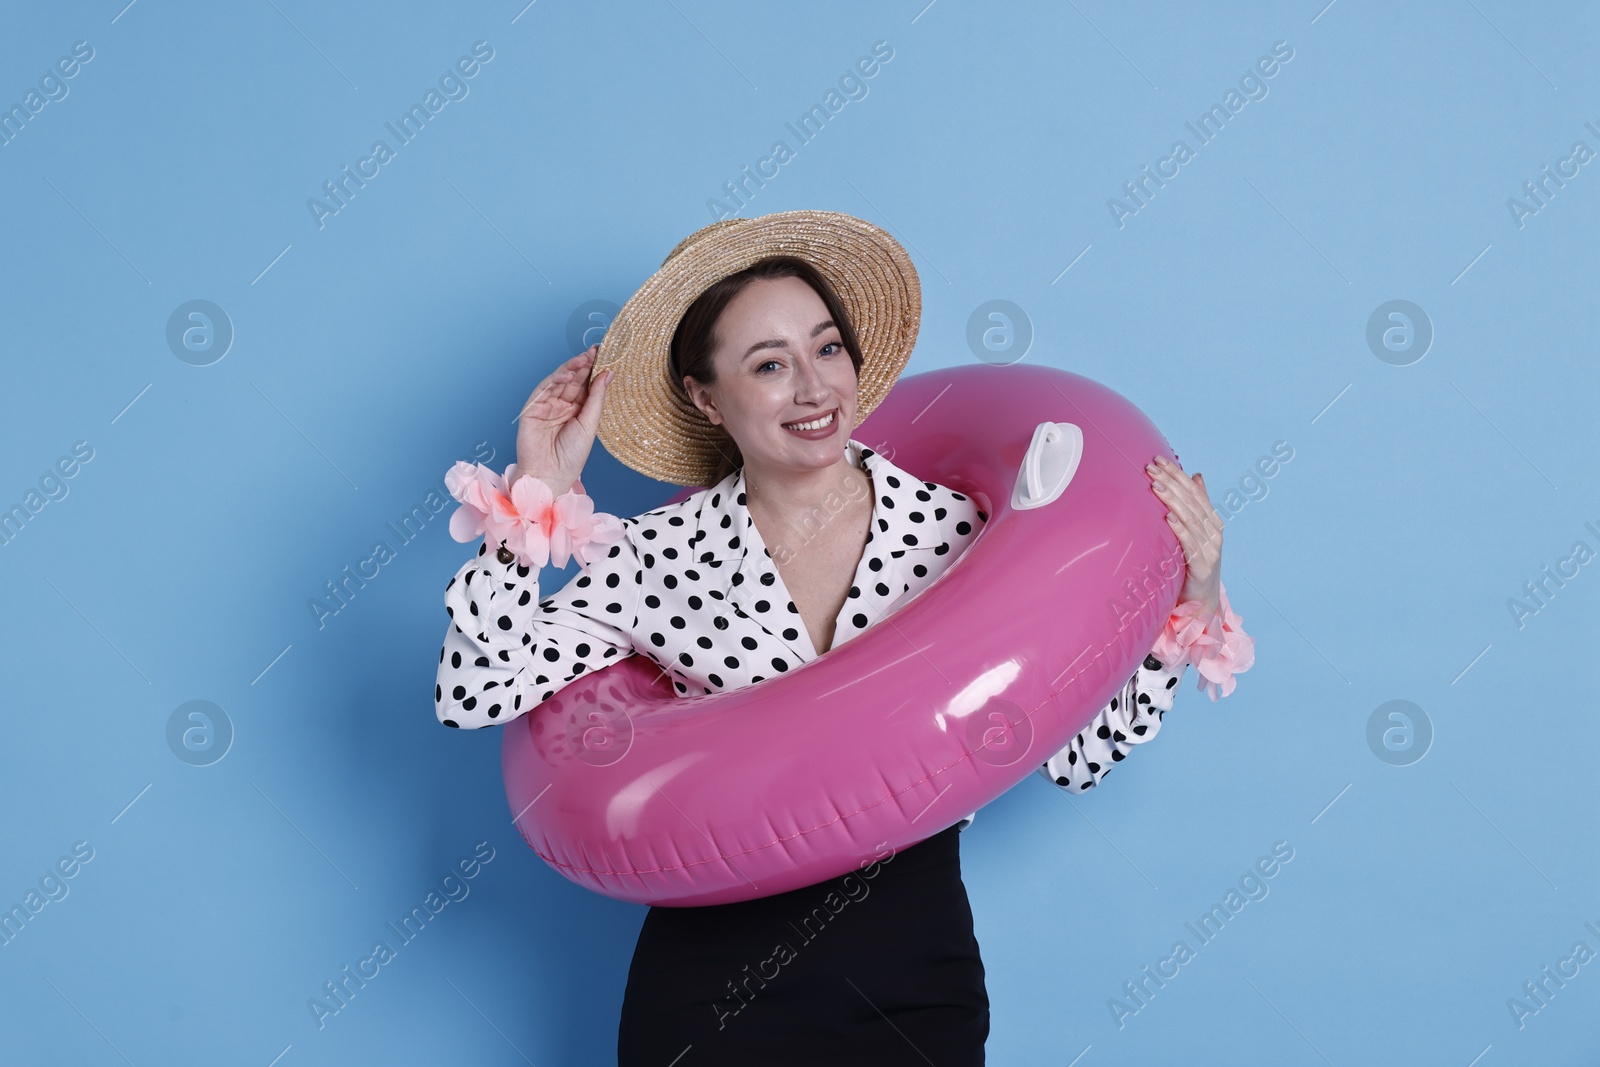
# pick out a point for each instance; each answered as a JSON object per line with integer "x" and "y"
{"x": 383, "y": 346}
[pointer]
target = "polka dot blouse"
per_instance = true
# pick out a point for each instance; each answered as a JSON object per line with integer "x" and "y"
{"x": 692, "y": 586}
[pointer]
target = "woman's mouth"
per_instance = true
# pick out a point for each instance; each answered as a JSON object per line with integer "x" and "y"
{"x": 814, "y": 429}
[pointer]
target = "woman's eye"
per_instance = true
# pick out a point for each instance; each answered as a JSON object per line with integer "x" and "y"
{"x": 835, "y": 345}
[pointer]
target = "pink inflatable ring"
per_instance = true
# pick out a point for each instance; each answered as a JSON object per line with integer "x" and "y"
{"x": 644, "y": 796}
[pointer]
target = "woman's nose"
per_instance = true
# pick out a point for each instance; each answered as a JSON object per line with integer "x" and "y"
{"x": 809, "y": 384}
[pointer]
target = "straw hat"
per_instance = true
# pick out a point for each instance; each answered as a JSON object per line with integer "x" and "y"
{"x": 651, "y": 425}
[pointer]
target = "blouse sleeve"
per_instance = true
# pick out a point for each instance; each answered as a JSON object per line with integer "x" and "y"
{"x": 507, "y": 651}
{"x": 1133, "y": 717}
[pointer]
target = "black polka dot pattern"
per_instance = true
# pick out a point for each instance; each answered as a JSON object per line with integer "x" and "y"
{"x": 693, "y": 586}
{"x": 518, "y": 649}
{"x": 1131, "y": 718}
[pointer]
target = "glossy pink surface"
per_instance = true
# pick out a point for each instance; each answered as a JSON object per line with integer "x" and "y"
{"x": 948, "y": 702}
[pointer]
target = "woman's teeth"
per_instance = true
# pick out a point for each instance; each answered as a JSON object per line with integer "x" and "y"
{"x": 815, "y": 424}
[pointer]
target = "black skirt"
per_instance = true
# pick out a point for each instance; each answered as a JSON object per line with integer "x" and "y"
{"x": 879, "y": 966}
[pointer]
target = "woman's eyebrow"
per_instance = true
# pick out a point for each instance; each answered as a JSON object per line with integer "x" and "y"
{"x": 775, "y": 343}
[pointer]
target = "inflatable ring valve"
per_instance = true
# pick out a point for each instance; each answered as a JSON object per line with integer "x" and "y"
{"x": 1048, "y": 467}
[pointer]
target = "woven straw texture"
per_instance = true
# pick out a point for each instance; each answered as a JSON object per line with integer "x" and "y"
{"x": 649, "y": 424}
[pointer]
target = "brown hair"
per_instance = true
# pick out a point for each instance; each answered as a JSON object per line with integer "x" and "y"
{"x": 695, "y": 340}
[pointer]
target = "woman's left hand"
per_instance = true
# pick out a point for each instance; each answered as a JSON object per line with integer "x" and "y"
{"x": 1198, "y": 527}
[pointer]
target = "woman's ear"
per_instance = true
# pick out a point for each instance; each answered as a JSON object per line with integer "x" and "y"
{"x": 701, "y": 398}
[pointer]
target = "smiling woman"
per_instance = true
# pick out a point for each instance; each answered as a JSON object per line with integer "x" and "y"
{"x": 793, "y": 382}
{"x": 741, "y": 366}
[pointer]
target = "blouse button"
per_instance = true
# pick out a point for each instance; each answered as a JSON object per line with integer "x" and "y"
{"x": 504, "y": 555}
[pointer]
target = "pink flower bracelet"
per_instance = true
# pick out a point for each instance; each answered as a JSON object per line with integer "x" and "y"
{"x": 1212, "y": 641}
{"x": 528, "y": 521}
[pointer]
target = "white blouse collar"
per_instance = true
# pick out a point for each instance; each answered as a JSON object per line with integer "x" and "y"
{"x": 903, "y": 530}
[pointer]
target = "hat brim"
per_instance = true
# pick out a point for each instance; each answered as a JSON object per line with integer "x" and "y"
{"x": 648, "y": 423}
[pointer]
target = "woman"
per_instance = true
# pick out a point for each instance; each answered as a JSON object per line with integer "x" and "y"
{"x": 740, "y": 366}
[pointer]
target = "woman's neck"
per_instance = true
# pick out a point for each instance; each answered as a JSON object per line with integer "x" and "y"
{"x": 784, "y": 498}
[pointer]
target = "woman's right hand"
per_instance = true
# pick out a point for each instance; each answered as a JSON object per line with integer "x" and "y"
{"x": 558, "y": 423}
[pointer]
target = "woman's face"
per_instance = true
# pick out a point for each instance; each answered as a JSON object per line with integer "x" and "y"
{"x": 780, "y": 360}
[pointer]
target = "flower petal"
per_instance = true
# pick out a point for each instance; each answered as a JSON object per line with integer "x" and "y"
{"x": 467, "y": 523}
